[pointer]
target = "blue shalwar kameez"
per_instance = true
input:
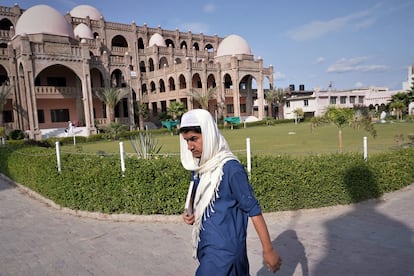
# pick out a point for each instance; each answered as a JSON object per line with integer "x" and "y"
{"x": 222, "y": 245}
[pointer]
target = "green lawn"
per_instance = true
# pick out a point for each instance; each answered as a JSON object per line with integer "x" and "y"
{"x": 281, "y": 139}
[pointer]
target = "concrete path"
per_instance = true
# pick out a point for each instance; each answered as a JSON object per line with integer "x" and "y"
{"x": 36, "y": 238}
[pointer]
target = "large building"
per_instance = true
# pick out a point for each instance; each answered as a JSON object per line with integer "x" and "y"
{"x": 54, "y": 63}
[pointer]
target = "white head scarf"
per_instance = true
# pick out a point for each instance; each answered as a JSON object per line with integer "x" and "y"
{"x": 209, "y": 167}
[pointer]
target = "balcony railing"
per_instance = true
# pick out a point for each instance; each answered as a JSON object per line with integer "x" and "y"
{"x": 70, "y": 92}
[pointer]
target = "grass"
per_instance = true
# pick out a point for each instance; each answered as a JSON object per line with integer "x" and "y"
{"x": 280, "y": 139}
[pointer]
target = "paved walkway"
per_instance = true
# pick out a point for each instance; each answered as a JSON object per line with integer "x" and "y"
{"x": 371, "y": 238}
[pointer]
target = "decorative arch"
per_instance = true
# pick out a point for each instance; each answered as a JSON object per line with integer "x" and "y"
{"x": 54, "y": 112}
{"x": 97, "y": 79}
{"x": 246, "y": 83}
{"x": 211, "y": 81}
{"x": 162, "y": 86}
{"x": 196, "y": 81}
{"x": 196, "y": 46}
{"x": 151, "y": 65}
{"x": 171, "y": 84}
{"x": 119, "y": 41}
{"x": 163, "y": 63}
{"x": 144, "y": 89}
{"x": 6, "y": 24}
{"x": 153, "y": 87}
{"x": 209, "y": 48}
{"x": 57, "y": 75}
{"x": 183, "y": 84}
{"x": 141, "y": 43}
{"x": 183, "y": 45}
{"x": 117, "y": 79}
{"x": 142, "y": 67}
{"x": 228, "y": 82}
{"x": 169, "y": 43}
{"x": 4, "y": 76}
{"x": 177, "y": 61}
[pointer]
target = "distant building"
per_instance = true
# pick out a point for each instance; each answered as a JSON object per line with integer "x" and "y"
{"x": 314, "y": 103}
{"x": 54, "y": 63}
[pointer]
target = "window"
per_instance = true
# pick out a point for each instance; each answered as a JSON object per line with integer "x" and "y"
{"x": 352, "y": 99}
{"x": 230, "y": 108}
{"x": 59, "y": 115}
{"x": 154, "y": 109}
{"x": 342, "y": 99}
{"x": 288, "y": 104}
{"x": 306, "y": 102}
{"x": 7, "y": 116}
{"x": 163, "y": 106}
{"x": 361, "y": 99}
{"x": 41, "y": 116}
{"x": 332, "y": 100}
{"x": 243, "y": 108}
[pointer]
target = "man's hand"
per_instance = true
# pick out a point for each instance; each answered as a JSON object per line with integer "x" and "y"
{"x": 272, "y": 260}
{"x": 189, "y": 219}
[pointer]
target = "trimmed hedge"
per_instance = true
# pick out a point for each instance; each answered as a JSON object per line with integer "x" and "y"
{"x": 159, "y": 186}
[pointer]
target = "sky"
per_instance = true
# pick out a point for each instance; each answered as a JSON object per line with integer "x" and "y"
{"x": 346, "y": 44}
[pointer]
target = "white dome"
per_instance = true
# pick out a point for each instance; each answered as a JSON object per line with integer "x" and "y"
{"x": 157, "y": 39}
{"x": 43, "y": 19}
{"x": 82, "y": 11}
{"x": 233, "y": 45}
{"x": 83, "y": 31}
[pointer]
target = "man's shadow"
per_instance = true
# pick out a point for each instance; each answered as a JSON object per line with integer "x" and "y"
{"x": 365, "y": 241}
{"x": 292, "y": 252}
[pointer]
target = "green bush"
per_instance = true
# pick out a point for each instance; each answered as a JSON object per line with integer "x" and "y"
{"x": 16, "y": 134}
{"x": 158, "y": 186}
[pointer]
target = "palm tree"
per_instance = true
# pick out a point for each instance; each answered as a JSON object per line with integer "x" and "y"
{"x": 201, "y": 98}
{"x": 399, "y": 108}
{"x": 400, "y": 101}
{"x": 141, "y": 113}
{"x": 281, "y": 100}
{"x": 342, "y": 117}
{"x": 175, "y": 110}
{"x": 4, "y": 93}
{"x": 111, "y": 96}
{"x": 271, "y": 96}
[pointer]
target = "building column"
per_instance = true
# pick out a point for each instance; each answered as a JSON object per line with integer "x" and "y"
{"x": 131, "y": 119}
{"x": 87, "y": 91}
{"x": 260, "y": 97}
{"x": 32, "y": 106}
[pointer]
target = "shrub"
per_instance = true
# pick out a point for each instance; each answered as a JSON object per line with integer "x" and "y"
{"x": 16, "y": 134}
{"x": 159, "y": 185}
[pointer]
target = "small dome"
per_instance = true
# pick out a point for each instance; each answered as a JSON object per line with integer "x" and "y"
{"x": 43, "y": 19}
{"x": 82, "y": 11}
{"x": 233, "y": 45}
{"x": 83, "y": 31}
{"x": 157, "y": 39}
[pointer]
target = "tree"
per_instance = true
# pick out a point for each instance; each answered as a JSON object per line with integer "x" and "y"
{"x": 342, "y": 117}
{"x": 140, "y": 113}
{"x": 281, "y": 100}
{"x": 202, "y": 98}
{"x": 271, "y": 96}
{"x": 400, "y": 101}
{"x": 176, "y": 109}
{"x": 399, "y": 107}
{"x": 298, "y": 114}
{"x": 111, "y": 96}
{"x": 4, "y": 93}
